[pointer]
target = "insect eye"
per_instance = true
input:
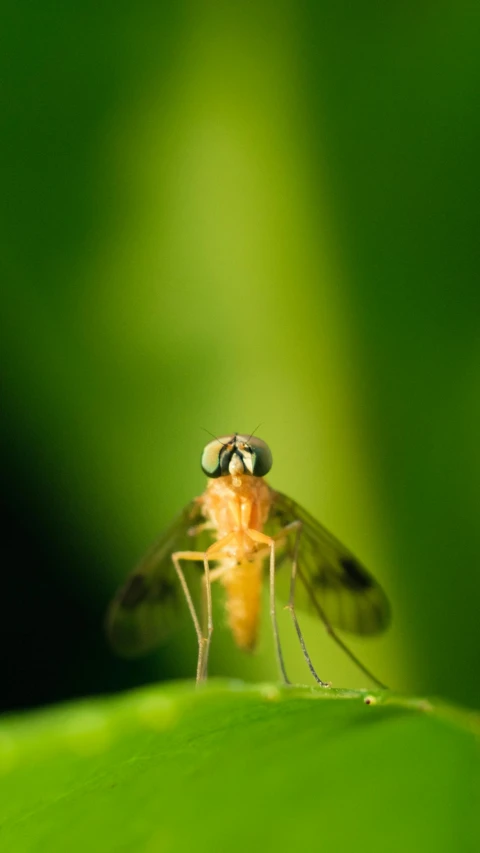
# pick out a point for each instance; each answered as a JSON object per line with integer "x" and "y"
{"x": 216, "y": 456}
{"x": 261, "y": 455}
{"x": 218, "y": 453}
{"x": 211, "y": 459}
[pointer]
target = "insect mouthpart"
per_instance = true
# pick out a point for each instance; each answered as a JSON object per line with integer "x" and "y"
{"x": 236, "y": 466}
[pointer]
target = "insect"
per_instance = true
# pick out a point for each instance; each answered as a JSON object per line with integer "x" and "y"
{"x": 235, "y": 533}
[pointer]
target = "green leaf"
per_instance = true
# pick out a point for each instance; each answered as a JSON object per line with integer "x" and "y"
{"x": 230, "y": 765}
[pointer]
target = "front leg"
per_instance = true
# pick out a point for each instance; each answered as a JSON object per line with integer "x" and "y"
{"x": 207, "y": 626}
{"x": 263, "y": 539}
{"x": 203, "y": 641}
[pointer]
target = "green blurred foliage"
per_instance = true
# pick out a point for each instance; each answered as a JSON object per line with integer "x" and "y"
{"x": 224, "y": 215}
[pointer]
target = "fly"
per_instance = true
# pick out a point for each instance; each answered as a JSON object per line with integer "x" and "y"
{"x": 237, "y": 531}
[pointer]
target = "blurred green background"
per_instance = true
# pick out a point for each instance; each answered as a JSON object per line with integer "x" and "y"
{"x": 220, "y": 215}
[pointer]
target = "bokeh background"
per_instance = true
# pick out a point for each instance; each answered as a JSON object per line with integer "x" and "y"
{"x": 220, "y": 215}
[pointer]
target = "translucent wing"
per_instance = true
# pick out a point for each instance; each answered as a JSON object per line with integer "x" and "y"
{"x": 148, "y": 607}
{"x": 330, "y": 579}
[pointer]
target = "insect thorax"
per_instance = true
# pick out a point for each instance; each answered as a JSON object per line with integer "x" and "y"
{"x": 237, "y": 503}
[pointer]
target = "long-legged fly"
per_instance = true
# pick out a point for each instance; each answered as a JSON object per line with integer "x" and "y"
{"x": 237, "y": 532}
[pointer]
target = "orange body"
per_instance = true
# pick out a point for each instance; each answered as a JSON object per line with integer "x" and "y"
{"x": 236, "y": 507}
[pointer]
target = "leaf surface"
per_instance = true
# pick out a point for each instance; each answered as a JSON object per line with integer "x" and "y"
{"x": 230, "y": 766}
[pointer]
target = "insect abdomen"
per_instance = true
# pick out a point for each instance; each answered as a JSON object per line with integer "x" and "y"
{"x": 243, "y": 585}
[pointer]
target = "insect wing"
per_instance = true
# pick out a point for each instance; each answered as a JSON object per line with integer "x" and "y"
{"x": 151, "y": 603}
{"x": 330, "y": 580}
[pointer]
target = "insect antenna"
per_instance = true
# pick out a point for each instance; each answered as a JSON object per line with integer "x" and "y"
{"x": 254, "y": 431}
{"x": 214, "y": 436}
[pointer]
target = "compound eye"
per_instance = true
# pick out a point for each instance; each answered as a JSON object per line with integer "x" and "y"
{"x": 211, "y": 459}
{"x": 216, "y": 456}
{"x": 261, "y": 456}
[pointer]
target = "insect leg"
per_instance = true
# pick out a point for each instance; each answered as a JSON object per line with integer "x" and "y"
{"x": 203, "y": 642}
{"x": 267, "y": 540}
{"x": 213, "y": 575}
{"x": 204, "y": 650}
{"x": 297, "y": 526}
{"x": 334, "y": 636}
{"x": 199, "y": 528}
